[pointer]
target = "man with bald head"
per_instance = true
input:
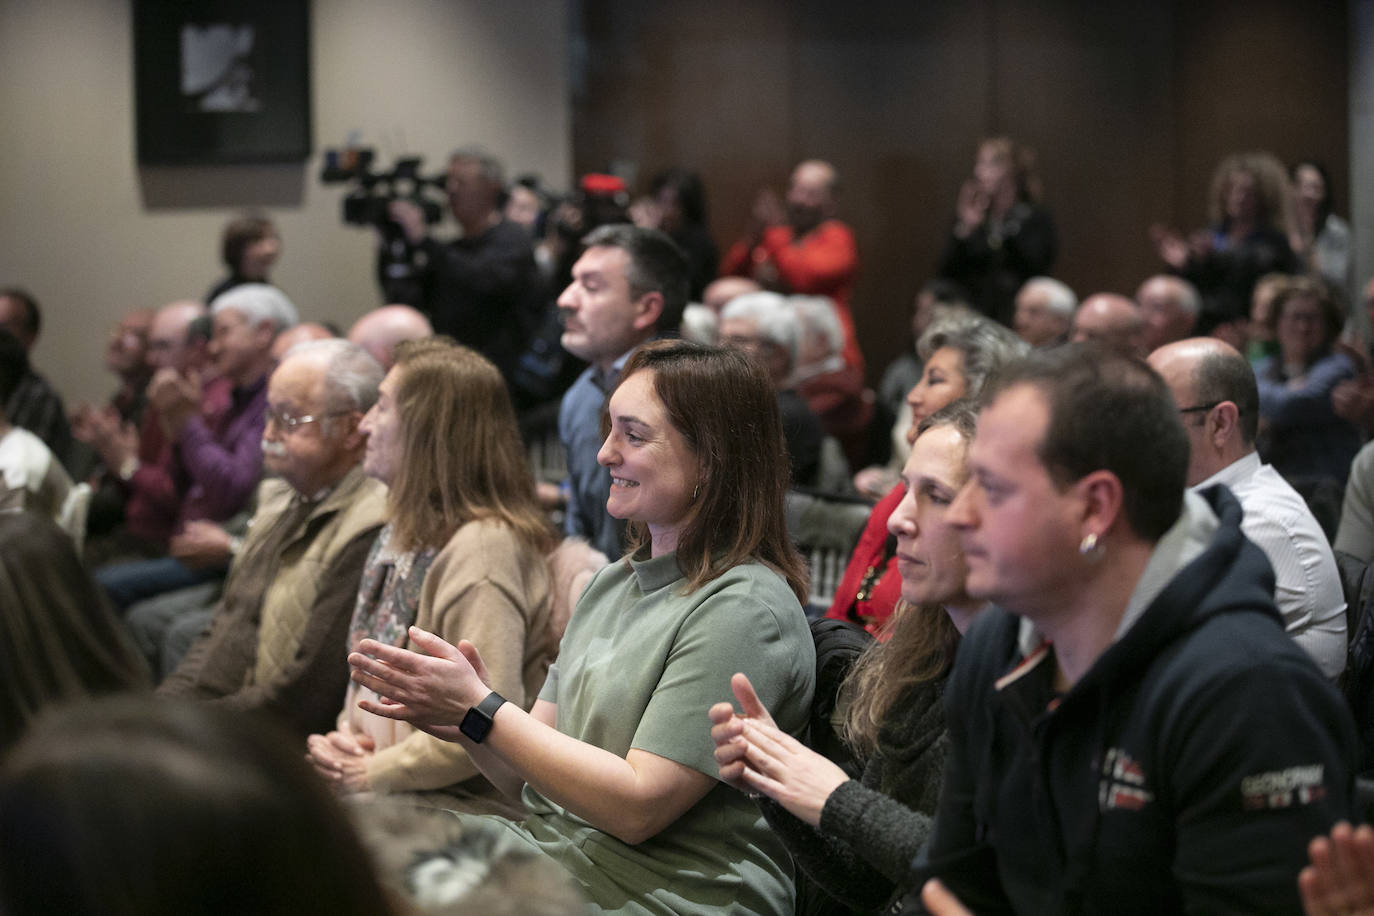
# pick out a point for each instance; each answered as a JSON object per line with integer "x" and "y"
{"x": 1169, "y": 307}
{"x": 380, "y": 330}
{"x": 1110, "y": 321}
{"x": 719, "y": 292}
{"x": 1218, "y": 402}
{"x": 802, "y": 248}
{"x": 305, "y": 331}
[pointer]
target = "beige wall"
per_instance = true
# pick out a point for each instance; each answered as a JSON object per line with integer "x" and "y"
{"x": 93, "y": 235}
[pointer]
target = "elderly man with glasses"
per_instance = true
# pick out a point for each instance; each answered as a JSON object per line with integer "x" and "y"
{"x": 276, "y": 639}
{"x": 1218, "y": 402}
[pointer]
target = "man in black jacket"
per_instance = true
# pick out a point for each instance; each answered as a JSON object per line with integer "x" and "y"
{"x": 483, "y": 288}
{"x": 1131, "y": 730}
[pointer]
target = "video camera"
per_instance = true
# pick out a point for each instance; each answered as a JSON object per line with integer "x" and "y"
{"x": 366, "y": 204}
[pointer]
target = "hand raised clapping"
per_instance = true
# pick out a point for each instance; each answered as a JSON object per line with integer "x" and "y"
{"x": 431, "y": 689}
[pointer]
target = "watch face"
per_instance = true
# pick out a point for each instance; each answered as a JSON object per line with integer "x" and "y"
{"x": 475, "y": 725}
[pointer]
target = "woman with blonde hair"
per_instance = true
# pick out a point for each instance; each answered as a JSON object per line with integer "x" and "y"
{"x": 1002, "y": 235}
{"x": 463, "y": 555}
{"x": 855, "y": 838}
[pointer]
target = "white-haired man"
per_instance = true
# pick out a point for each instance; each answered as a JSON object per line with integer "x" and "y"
{"x": 277, "y": 638}
{"x": 765, "y": 326}
{"x": 1169, "y": 307}
{"x": 215, "y": 428}
{"x": 1044, "y": 311}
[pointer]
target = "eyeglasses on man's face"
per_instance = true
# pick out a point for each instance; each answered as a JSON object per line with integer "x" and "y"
{"x": 290, "y": 422}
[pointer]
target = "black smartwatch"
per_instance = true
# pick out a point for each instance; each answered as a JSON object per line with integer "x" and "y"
{"x": 476, "y": 725}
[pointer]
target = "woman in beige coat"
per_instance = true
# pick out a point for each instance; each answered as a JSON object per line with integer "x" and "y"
{"x": 465, "y": 554}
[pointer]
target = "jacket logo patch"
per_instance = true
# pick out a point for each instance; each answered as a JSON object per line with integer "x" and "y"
{"x": 1299, "y": 785}
{"x": 1123, "y": 783}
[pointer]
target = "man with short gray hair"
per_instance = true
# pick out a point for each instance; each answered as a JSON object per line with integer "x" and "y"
{"x": 277, "y": 640}
{"x": 1044, "y": 311}
{"x": 1169, "y": 307}
{"x": 215, "y": 428}
{"x": 766, "y": 326}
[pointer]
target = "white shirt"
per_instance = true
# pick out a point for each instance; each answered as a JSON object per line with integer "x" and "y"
{"x": 1307, "y": 584}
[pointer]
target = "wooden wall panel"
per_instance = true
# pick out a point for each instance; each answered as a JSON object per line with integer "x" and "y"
{"x": 1129, "y": 106}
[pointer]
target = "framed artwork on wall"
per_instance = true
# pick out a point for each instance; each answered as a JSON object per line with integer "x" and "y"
{"x": 221, "y": 81}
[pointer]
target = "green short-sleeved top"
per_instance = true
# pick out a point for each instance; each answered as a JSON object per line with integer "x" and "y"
{"x": 639, "y": 666}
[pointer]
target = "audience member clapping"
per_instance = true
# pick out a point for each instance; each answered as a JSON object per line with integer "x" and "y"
{"x": 213, "y": 427}
{"x": 1250, "y": 211}
{"x": 618, "y": 777}
{"x": 461, "y": 556}
{"x": 1319, "y": 237}
{"x": 857, "y": 838}
{"x": 1001, "y": 235}
{"x": 1340, "y": 879}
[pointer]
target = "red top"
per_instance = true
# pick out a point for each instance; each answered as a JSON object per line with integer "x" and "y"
{"x": 870, "y": 554}
{"x": 824, "y": 262}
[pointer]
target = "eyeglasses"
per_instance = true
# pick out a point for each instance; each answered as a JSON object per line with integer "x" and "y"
{"x": 291, "y": 423}
{"x": 1201, "y": 408}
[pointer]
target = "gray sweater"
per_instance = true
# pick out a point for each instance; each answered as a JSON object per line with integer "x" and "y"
{"x": 871, "y": 828}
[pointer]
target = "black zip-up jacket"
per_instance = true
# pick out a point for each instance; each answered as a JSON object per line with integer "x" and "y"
{"x": 1185, "y": 771}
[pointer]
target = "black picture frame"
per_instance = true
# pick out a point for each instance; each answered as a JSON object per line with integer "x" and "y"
{"x": 222, "y": 82}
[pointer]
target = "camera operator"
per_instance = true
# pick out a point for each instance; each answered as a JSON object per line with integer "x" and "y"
{"x": 483, "y": 288}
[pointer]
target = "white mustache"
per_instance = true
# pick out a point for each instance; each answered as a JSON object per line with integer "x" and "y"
{"x": 273, "y": 449}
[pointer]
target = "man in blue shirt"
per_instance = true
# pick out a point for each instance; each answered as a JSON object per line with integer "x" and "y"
{"x": 629, "y": 286}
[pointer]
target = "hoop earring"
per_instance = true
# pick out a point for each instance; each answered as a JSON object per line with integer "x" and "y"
{"x": 695, "y": 491}
{"x": 1088, "y": 544}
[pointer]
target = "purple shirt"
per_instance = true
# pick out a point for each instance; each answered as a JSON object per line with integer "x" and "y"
{"x": 219, "y": 455}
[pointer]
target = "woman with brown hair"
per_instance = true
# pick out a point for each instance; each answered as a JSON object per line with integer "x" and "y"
{"x": 856, "y": 837}
{"x": 463, "y": 555}
{"x": 1300, "y": 433}
{"x": 59, "y": 639}
{"x": 614, "y": 769}
{"x": 142, "y": 806}
{"x": 250, "y": 248}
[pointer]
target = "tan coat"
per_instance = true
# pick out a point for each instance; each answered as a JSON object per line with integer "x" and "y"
{"x": 488, "y": 587}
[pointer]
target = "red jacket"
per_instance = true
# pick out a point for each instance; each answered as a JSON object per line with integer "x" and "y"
{"x": 824, "y": 262}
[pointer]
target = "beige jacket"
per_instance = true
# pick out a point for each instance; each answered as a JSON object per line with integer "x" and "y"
{"x": 488, "y": 587}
